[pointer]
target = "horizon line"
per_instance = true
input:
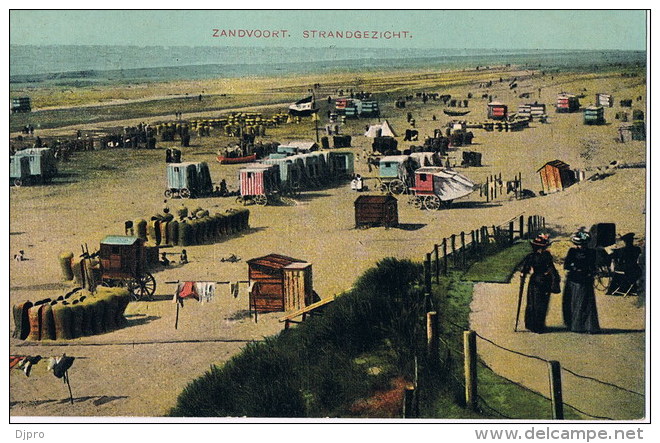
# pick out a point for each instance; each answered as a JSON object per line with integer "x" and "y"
{"x": 331, "y": 47}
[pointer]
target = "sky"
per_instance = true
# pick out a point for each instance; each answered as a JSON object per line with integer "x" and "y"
{"x": 460, "y": 29}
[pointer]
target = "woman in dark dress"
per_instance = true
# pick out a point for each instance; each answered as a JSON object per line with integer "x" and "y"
{"x": 539, "y": 263}
{"x": 579, "y": 302}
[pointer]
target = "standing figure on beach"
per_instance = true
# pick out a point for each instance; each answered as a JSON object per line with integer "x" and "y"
{"x": 626, "y": 267}
{"x": 544, "y": 274}
{"x": 579, "y": 300}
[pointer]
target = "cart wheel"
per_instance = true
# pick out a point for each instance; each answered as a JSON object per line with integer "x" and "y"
{"x": 240, "y": 200}
{"x": 184, "y": 193}
{"x": 18, "y": 182}
{"x": 143, "y": 287}
{"x": 416, "y": 201}
{"x": 168, "y": 193}
{"x": 382, "y": 187}
{"x": 261, "y": 200}
{"x": 432, "y": 203}
{"x": 397, "y": 187}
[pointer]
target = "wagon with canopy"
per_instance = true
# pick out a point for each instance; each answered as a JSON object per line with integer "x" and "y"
{"x": 186, "y": 180}
{"x": 436, "y": 187}
{"x": 123, "y": 262}
{"x": 290, "y": 174}
{"x": 395, "y": 173}
{"x": 257, "y": 183}
{"x": 41, "y": 165}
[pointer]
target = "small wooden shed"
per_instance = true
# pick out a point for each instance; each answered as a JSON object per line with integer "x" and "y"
{"x": 376, "y": 210}
{"x": 279, "y": 283}
{"x": 497, "y": 111}
{"x": 556, "y": 176}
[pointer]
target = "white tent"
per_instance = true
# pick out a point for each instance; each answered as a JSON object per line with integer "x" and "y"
{"x": 384, "y": 128}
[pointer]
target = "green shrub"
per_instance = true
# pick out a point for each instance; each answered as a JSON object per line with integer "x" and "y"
{"x": 310, "y": 370}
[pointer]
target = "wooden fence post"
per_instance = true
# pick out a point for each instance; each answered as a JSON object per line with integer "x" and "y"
{"x": 487, "y": 190}
{"x": 555, "y": 390}
{"x": 529, "y": 227}
{"x": 427, "y": 274}
{"x": 408, "y": 401}
{"x": 470, "y": 368}
{"x": 511, "y": 232}
{"x": 473, "y": 244}
{"x": 463, "y": 260}
{"x": 432, "y": 337}
{"x": 543, "y": 219}
{"x": 444, "y": 256}
{"x": 522, "y": 226}
{"x": 437, "y": 262}
{"x": 453, "y": 248}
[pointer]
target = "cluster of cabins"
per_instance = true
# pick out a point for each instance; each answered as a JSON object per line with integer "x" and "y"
{"x": 295, "y": 166}
{"x": 355, "y": 108}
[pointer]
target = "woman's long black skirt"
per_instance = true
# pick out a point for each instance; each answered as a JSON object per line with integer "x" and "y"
{"x": 579, "y": 307}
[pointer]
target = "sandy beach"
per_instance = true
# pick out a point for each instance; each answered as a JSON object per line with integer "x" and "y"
{"x": 140, "y": 370}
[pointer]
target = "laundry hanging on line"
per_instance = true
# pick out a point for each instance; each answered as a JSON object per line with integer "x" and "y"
{"x": 58, "y": 365}
{"x": 23, "y": 362}
{"x": 185, "y": 290}
{"x": 205, "y": 290}
{"x": 202, "y": 291}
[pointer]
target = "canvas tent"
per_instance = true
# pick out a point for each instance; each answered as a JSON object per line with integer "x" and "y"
{"x": 380, "y": 130}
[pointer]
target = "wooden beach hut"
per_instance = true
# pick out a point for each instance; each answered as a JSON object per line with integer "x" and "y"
{"x": 279, "y": 283}
{"x": 42, "y": 161}
{"x": 605, "y": 100}
{"x": 21, "y": 104}
{"x": 594, "y": 115}
{"x": 567, "y": 103}
{"x": 376, "y": 210}
{"x": 497, "y": 111}
{"x": 555, "y": 176}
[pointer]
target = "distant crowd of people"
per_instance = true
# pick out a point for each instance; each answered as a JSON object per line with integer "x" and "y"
{"x": 582, "y": 265}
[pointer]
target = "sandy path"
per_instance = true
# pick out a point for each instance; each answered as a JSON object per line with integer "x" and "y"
{"x": 616, "y": 356}
{"x": 144, "y": 380}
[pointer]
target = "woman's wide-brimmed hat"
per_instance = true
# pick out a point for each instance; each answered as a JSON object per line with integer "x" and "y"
{"x": 542, "y": 240}
{"x": 581, "y": 238}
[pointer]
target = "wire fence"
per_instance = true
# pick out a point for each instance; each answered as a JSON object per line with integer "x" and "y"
{"x": 455, "y": 252}
{"x": 459, "y": 251}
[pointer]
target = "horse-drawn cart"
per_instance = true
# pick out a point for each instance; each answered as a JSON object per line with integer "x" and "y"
{"x": 436, "y": 187}
{"x": 123, "y": 263}
{"x": 395, "y": 173}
